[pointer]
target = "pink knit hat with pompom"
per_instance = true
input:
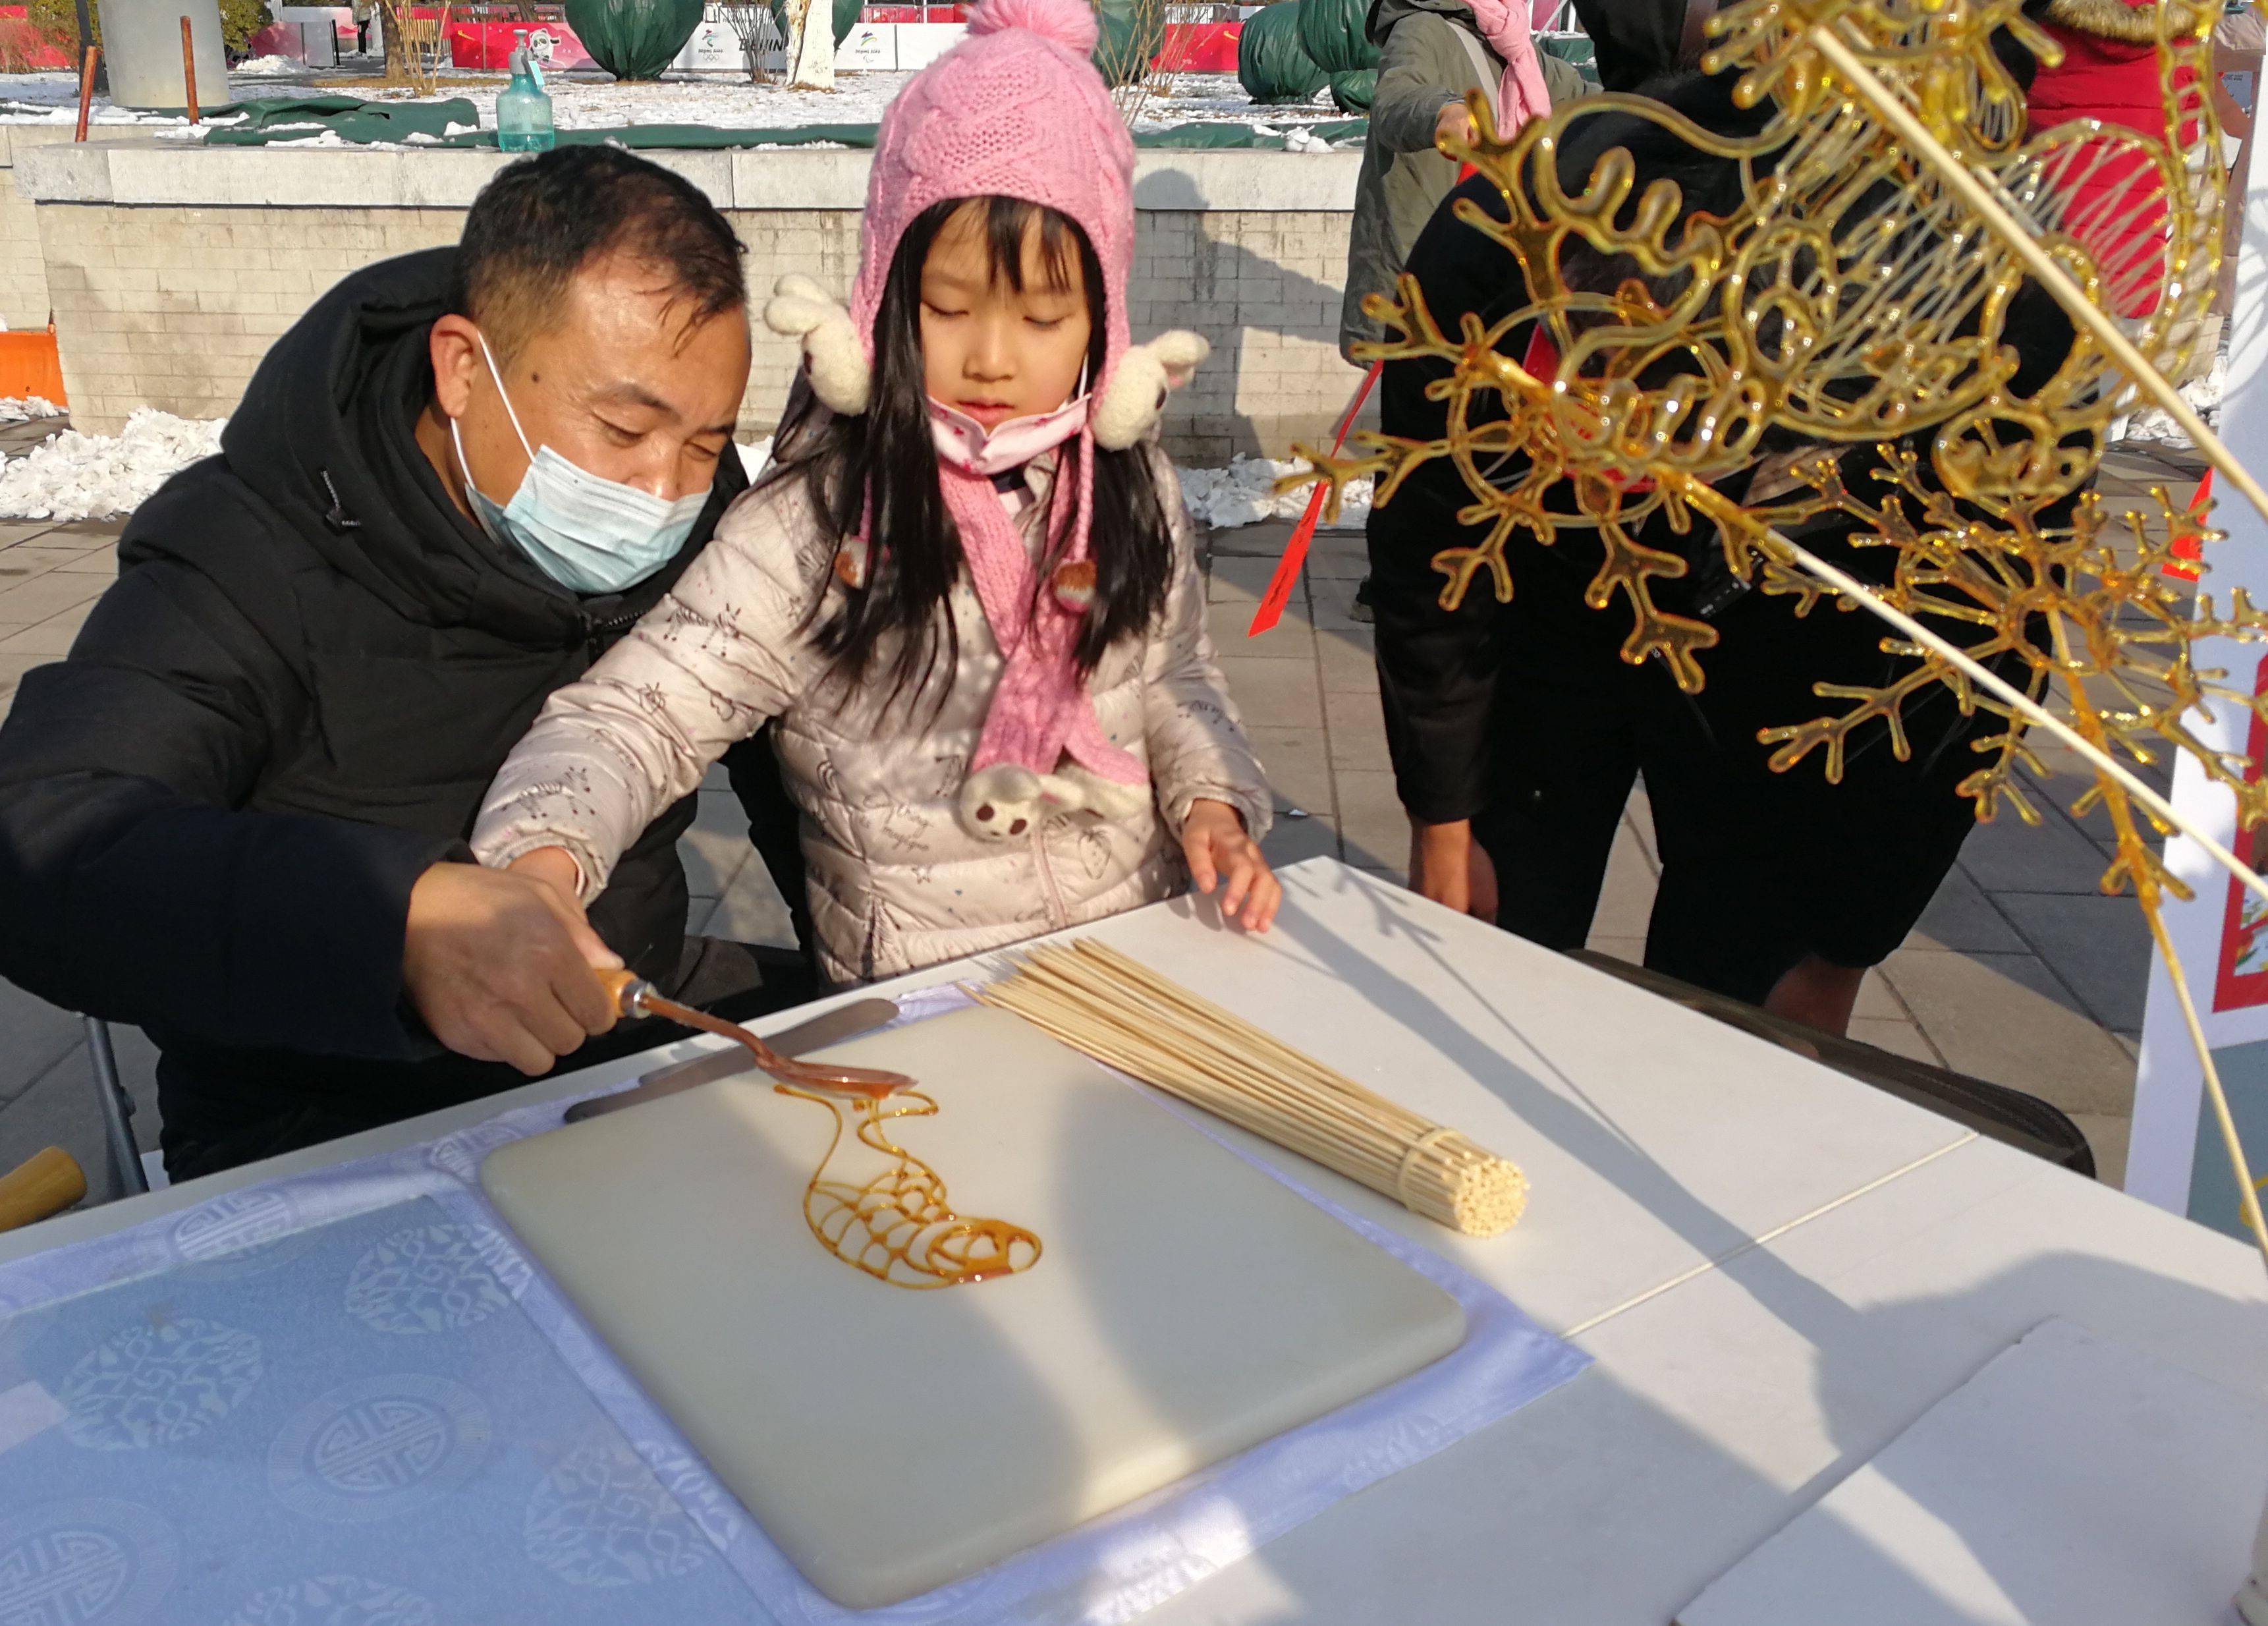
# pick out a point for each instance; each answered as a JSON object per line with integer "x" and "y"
{"x": 1015, "y": 110}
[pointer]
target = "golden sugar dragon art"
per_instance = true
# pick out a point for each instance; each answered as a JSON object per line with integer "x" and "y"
{"x": 1856, "y": 298}
{"x": 898, "y": 1224}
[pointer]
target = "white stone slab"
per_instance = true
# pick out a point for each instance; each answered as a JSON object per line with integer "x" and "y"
{"x": 74, "y": 172}
{"x": 2073, "y": 1480}
{"x": 1184, "y": 1305}
{"x": 452, "y": 183}
{"x": 1252, "y": 180}
{"x": 830, "y": 178}
{"x": 284, "y": 174}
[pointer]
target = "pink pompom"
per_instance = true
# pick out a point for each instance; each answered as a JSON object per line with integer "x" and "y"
{"x": 1069, "y": 23}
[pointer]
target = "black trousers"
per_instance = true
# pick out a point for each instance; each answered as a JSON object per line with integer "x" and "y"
{"x": 1572, "y": 728}
{"x": 1760, "y": 869}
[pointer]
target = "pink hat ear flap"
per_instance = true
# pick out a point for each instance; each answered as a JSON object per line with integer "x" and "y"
{"x": 1129, "y": 407}
{"x": 841, "y": 376}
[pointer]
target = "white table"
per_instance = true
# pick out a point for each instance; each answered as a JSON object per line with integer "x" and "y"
{"x": 1777, "y": 1268}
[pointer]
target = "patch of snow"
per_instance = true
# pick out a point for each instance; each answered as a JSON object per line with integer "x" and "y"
{"x": 1244, "y": 493}
{"x": 2204, "y": 395}
{"x": 24, "y": 408}
{"x": 257, "y": 66}
{"x": 80, "y": 476}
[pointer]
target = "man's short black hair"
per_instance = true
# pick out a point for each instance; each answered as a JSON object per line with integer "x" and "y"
{"x": 543, "y": 219}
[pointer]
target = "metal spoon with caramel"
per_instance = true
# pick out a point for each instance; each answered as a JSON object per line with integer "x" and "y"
{"x": 634, "y": 996}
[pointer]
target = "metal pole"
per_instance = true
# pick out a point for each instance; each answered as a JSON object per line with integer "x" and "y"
{"x": 86, "y": 43}
{"x": 117, "y": 1106}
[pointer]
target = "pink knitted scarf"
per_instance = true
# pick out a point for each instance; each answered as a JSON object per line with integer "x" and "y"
{"x": 1521, "y": 95}
{"x": 1042, "y": 710}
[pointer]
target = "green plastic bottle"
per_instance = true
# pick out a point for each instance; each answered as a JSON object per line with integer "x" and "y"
{"x": 524, "y": 109}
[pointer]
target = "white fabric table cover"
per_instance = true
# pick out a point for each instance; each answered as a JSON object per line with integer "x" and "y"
{"x": 1776, "y": 1268}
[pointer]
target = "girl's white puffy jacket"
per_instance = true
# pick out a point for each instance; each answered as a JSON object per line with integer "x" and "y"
{"x": 897, "y": 882}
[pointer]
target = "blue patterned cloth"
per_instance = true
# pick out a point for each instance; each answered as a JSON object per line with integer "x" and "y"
{"x": 351, "y": 1424}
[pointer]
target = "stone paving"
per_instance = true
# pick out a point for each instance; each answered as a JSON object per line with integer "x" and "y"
{"x": 2020, "y": 972}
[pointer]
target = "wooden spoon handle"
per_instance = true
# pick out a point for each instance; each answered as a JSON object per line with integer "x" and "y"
{"x": 50, "y": 1182}
{"x": 618, "y": 984}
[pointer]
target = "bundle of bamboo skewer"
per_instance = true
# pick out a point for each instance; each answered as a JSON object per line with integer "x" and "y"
{"x": 1124, "y": 1015}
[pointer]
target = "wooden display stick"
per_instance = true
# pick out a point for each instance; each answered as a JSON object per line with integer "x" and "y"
{"x": 86, "y": 88}
{"x": 189, "y": 70}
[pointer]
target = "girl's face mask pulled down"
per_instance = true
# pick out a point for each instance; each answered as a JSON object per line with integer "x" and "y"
{"x": 589, "y": 534}
{"x": 1004, "y": 350}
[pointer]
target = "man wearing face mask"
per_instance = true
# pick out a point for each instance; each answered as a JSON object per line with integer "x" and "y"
{"x": 235, "y": 816}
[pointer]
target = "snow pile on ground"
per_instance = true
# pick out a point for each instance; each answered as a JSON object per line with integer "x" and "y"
{"x": 262, "y": 66}
{"x": 2155, "y": 424}
{"x": 78, "y": 477}
{"x": 1244, "y": 493}
{"x": 24, "y": 408}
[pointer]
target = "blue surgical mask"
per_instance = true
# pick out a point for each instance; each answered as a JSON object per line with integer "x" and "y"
{"x": 586, "y": 533}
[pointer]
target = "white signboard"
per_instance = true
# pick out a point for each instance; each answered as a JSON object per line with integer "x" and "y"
{"x": 715, "y": 49}
{"x": 920, "y": 44}
{"x": 869, "y": 47}
{"x": 2177, "y": 1159}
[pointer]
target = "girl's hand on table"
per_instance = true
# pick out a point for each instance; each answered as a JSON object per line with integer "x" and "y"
{"x": 1219, "y": 850}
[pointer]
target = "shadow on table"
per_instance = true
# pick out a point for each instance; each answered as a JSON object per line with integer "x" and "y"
{"x": 1603, "y": 1504}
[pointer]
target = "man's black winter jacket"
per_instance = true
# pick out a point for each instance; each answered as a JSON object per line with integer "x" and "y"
{"x": 285, "y": 711}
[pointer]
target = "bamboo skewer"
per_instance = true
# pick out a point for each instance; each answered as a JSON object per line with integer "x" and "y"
{"x": 1129, "y": 1017}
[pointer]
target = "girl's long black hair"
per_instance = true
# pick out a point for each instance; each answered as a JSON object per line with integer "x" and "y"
{"x": 881, "y": 465}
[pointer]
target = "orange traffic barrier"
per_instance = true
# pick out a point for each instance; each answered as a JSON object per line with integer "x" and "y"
{"x": 29, "y": 365}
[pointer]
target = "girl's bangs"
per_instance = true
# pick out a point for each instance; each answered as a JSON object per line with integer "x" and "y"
{"x": 1007, "y": 220}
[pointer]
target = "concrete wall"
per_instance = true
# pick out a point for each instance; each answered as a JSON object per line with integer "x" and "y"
{"x": 22, "y": 276}
{"x": 172, "y": 268}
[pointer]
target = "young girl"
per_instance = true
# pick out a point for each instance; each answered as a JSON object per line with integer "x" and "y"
{"x": 967, "y": 588}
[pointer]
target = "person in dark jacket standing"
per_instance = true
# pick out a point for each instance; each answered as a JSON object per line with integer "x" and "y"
{"x": 1431, "y": 55}
{"x": 236, "y": 814}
